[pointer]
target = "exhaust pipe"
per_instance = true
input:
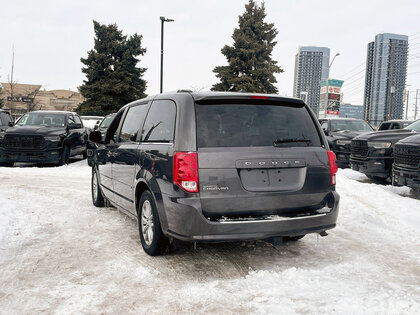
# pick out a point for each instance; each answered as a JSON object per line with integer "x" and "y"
{"x": 323, "y": 233}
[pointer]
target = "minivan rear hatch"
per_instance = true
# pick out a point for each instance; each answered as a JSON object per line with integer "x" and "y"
{"x": 259, "y": 156}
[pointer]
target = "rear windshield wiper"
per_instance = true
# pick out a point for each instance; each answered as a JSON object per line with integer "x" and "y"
{"x": 279, "y": 141}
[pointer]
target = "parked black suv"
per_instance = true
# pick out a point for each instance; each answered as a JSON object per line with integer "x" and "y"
{"x": 5, "y": 119}
{"x": 406, "y": 168}
{"x": 372, "y": 153}
{"x": 217, "y": 167}
{"x": 340, "y": 132}
{"x": 43, "y": 137}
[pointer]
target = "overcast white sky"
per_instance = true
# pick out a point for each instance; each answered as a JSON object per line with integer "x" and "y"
{"x": 50, "y": 37}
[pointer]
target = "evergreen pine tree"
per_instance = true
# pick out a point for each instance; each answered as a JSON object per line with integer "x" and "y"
{"x": 112, "y": 76}
{"x": 250, "y": 66}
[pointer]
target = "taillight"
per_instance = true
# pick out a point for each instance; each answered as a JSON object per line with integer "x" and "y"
{"x": 186, "y": 171}
{"x": 259, "y": 97}
{"x": 333, "y": 166}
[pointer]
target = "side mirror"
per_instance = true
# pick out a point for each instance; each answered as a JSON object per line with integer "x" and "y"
{"x": 74, "y": 126}
{"x": 326, "y": 132}
{"x": 95, "y": 136}
{"x": 11, "y": 124}
{"x": 96, "y": 126}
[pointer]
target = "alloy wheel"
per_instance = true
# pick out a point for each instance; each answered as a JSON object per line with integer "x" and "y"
{"x": 147, "y": 224}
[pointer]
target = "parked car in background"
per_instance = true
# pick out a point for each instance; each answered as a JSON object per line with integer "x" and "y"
{"x": 340, "y": 132}
{"x": 394, "y": 124}
{"x": 44, "y": 137}
{"x": 406, "y": 167}
{"x": 5, "y": 119}
{"x": 104, "y": 124}
{"x": 372, "y": 153}
{"x": 91, "y": 121}
{"x": 212, "y": 167}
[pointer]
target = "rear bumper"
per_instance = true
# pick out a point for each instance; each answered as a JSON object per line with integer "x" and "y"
{"x": 375, "y": 166}
{"x": 405, "y": 177}
{"x": 185, "y": 221}
{"x": 33, "y": 156}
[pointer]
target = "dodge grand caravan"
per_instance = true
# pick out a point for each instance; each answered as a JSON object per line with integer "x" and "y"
{"x": 215, "y": 167}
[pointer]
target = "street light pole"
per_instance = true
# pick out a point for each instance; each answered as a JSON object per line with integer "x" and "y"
{"x": 337, "y": 54}
{"x": 162, "y": 20}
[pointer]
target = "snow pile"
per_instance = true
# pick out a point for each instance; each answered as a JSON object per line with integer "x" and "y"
{"x": 60, "y": 254}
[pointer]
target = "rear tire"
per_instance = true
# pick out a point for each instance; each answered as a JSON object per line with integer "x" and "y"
{"x": 97, "y": 197}
{"x": 64, "y": 156}
{"x": 152, "y": 239}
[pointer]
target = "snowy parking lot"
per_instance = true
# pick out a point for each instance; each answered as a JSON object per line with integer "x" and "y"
{"x": 60, "y": 254}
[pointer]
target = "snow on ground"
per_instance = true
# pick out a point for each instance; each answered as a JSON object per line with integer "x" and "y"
{"x": 60, "y": 254}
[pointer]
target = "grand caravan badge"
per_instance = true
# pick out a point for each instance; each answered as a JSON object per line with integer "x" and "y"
{"x": 215, "y": 188}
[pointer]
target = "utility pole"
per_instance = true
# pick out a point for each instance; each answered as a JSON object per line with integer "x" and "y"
{"x": 406, "y": 106}
{"x": 415, "y": 108}
{"x": 391, "y": 82}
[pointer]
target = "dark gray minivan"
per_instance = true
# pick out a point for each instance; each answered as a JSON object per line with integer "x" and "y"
{"x": 215, "y": 167}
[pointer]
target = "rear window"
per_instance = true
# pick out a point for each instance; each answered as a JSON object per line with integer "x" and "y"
{"x": 245, "y": 125}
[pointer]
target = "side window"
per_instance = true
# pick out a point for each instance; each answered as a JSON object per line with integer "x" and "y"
{"x": 160, "y": 122}
{"x": 395, "y": 126}
{"x": 71, "y": 121}
{"x": 5, "y": 118}
{"x": 132, "y": 123}
{"x": 77, "y": 120}
{"x": 384, "y": 126}
{"x": 324, "y": 125}
{"x": 111, "y": 132}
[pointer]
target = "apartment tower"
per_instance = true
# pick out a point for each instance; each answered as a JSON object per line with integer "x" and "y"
{"x": 386, "y": 71}
{"x": 311, "y": 66}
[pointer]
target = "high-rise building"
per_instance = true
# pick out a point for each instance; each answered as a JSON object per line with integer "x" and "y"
{"x": 368, "y": 80}
{"x": 311, "y": 66}
{"x": 386, "y": 70}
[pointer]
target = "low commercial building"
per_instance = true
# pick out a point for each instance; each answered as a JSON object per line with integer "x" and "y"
{"x": 22, "y": 98}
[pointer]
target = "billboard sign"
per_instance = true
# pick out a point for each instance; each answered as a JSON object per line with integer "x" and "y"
{"x": 332, "y": 82}
{"x": 20, "y": 99}
{"x": 330, "y": 97}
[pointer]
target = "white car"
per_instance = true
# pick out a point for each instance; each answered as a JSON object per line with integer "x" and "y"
{"x": 90, "y": 121}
